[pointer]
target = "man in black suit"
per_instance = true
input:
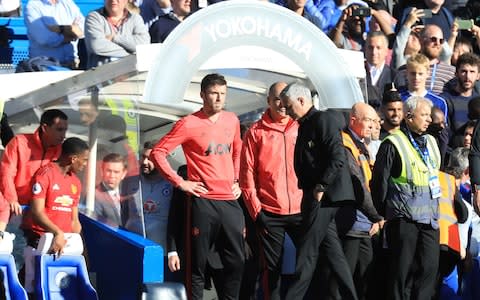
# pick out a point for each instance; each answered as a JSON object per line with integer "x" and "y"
{"x": 378, "y": 72}
{"x": 323, "y": 175}
{"x": 110, "y": 201}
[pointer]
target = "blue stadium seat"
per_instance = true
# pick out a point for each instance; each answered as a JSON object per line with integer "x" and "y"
{"x": 12, "y": 288}
{"x": 18, "y": 48}
{"x": 87, "y": 6}
{"x": 65, "y": 277}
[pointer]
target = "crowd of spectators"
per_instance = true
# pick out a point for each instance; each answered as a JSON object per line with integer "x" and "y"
{"x": 425, "y": 49}
{"x": 56, "y": 28}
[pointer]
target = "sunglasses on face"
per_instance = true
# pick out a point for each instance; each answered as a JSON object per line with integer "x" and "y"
{"x": 434, "y": 39}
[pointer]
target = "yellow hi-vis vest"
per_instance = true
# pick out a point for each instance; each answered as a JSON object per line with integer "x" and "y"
{"x": 447, "y": 219}
{"x": 364, "y": 163}
{"x": 409, "y": 194}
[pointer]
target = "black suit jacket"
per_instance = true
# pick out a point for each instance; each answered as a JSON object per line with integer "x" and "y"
{"x": 105, "y": 209}
{"x": 375, "y": 92}
{"x": 320, "y": 158}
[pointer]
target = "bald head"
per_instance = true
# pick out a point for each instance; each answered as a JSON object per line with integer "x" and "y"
{"x": 276, "y": 109}
{"x": 362, "y": 119}
{"x": 432, "y": 40}
{"x": 276, "y": 88}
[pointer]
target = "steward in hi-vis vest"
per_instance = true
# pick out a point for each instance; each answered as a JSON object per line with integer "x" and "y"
{"x": 358, "y": 222}
{"x": 406, "y": 189}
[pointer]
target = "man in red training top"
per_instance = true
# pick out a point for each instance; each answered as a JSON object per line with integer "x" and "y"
{"x": 26, "y": 153}
{"x": 211, "y": 142}
{"x": 22, "y": 157}
{"x": 270, "y": 186}
{"x": 56, "y": 192}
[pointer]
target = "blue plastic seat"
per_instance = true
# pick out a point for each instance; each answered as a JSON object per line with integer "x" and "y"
{"x": 62, "y": 278}
{"x": 13, "y": 289}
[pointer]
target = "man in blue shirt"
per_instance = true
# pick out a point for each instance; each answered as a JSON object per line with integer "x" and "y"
{"x": 320, "y": 12}
{"x": 53, "y": 28}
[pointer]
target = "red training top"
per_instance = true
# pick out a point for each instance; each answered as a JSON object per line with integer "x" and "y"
{"x": 61, "y": 194}
{"x": 212, "y": 151}
{"x": 22, "y": 157}
{"x": 267, "y": 174}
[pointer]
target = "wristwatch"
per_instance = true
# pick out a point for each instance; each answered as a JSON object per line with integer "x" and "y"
{"x": 2, "y": 234}
{"x": 319, "y": 187}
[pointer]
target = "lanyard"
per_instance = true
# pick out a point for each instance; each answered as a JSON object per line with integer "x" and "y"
{"x": 424, "y": 154}
{"x": 434, "y": 72}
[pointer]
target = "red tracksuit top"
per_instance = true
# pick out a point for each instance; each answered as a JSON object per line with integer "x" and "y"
{"x": 61, "y": 194}
{"x": 22, "y": 157}
{"x": 267, "y": 175}
{"x": 212, "y": 151}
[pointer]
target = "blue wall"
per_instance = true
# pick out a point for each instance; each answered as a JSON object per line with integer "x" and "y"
{"x": 123, "y": 261}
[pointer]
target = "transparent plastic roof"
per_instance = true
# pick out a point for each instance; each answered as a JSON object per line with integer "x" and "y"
{"x": 120, "y": 105}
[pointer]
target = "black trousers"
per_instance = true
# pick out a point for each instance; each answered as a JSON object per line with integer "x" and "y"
{"x": 319, "y": 233}
{"x": 220, "y": 225}
{"x": 252, "y": 267}
{"x": 359, "y": 254}
{"x": 272, "y": 246}
{"x": 410, "y": 242}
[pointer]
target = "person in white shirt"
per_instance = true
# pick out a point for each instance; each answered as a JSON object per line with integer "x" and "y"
{"x": 378, "y": 72}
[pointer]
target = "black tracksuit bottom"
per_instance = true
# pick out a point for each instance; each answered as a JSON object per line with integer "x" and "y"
{"x": 272, "y": 246}
{"x": 220, "y": 225}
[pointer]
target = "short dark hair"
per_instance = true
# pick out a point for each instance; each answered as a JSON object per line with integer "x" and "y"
{"x": 373, "y": 34}
{"x": 470, "y": 123}
{"x": 73, "y": 146}
{"x": 48, "y": 117}
{"x": 113, "y": 158}
{"x": 148, "y": 145}
{"x": 212, "y": 79}
{"x": 468, "y": 59}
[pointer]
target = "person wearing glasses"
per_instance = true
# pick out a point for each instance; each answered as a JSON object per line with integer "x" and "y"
{"x": 431, "y": 39}
{"x": 359, "y": 222}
